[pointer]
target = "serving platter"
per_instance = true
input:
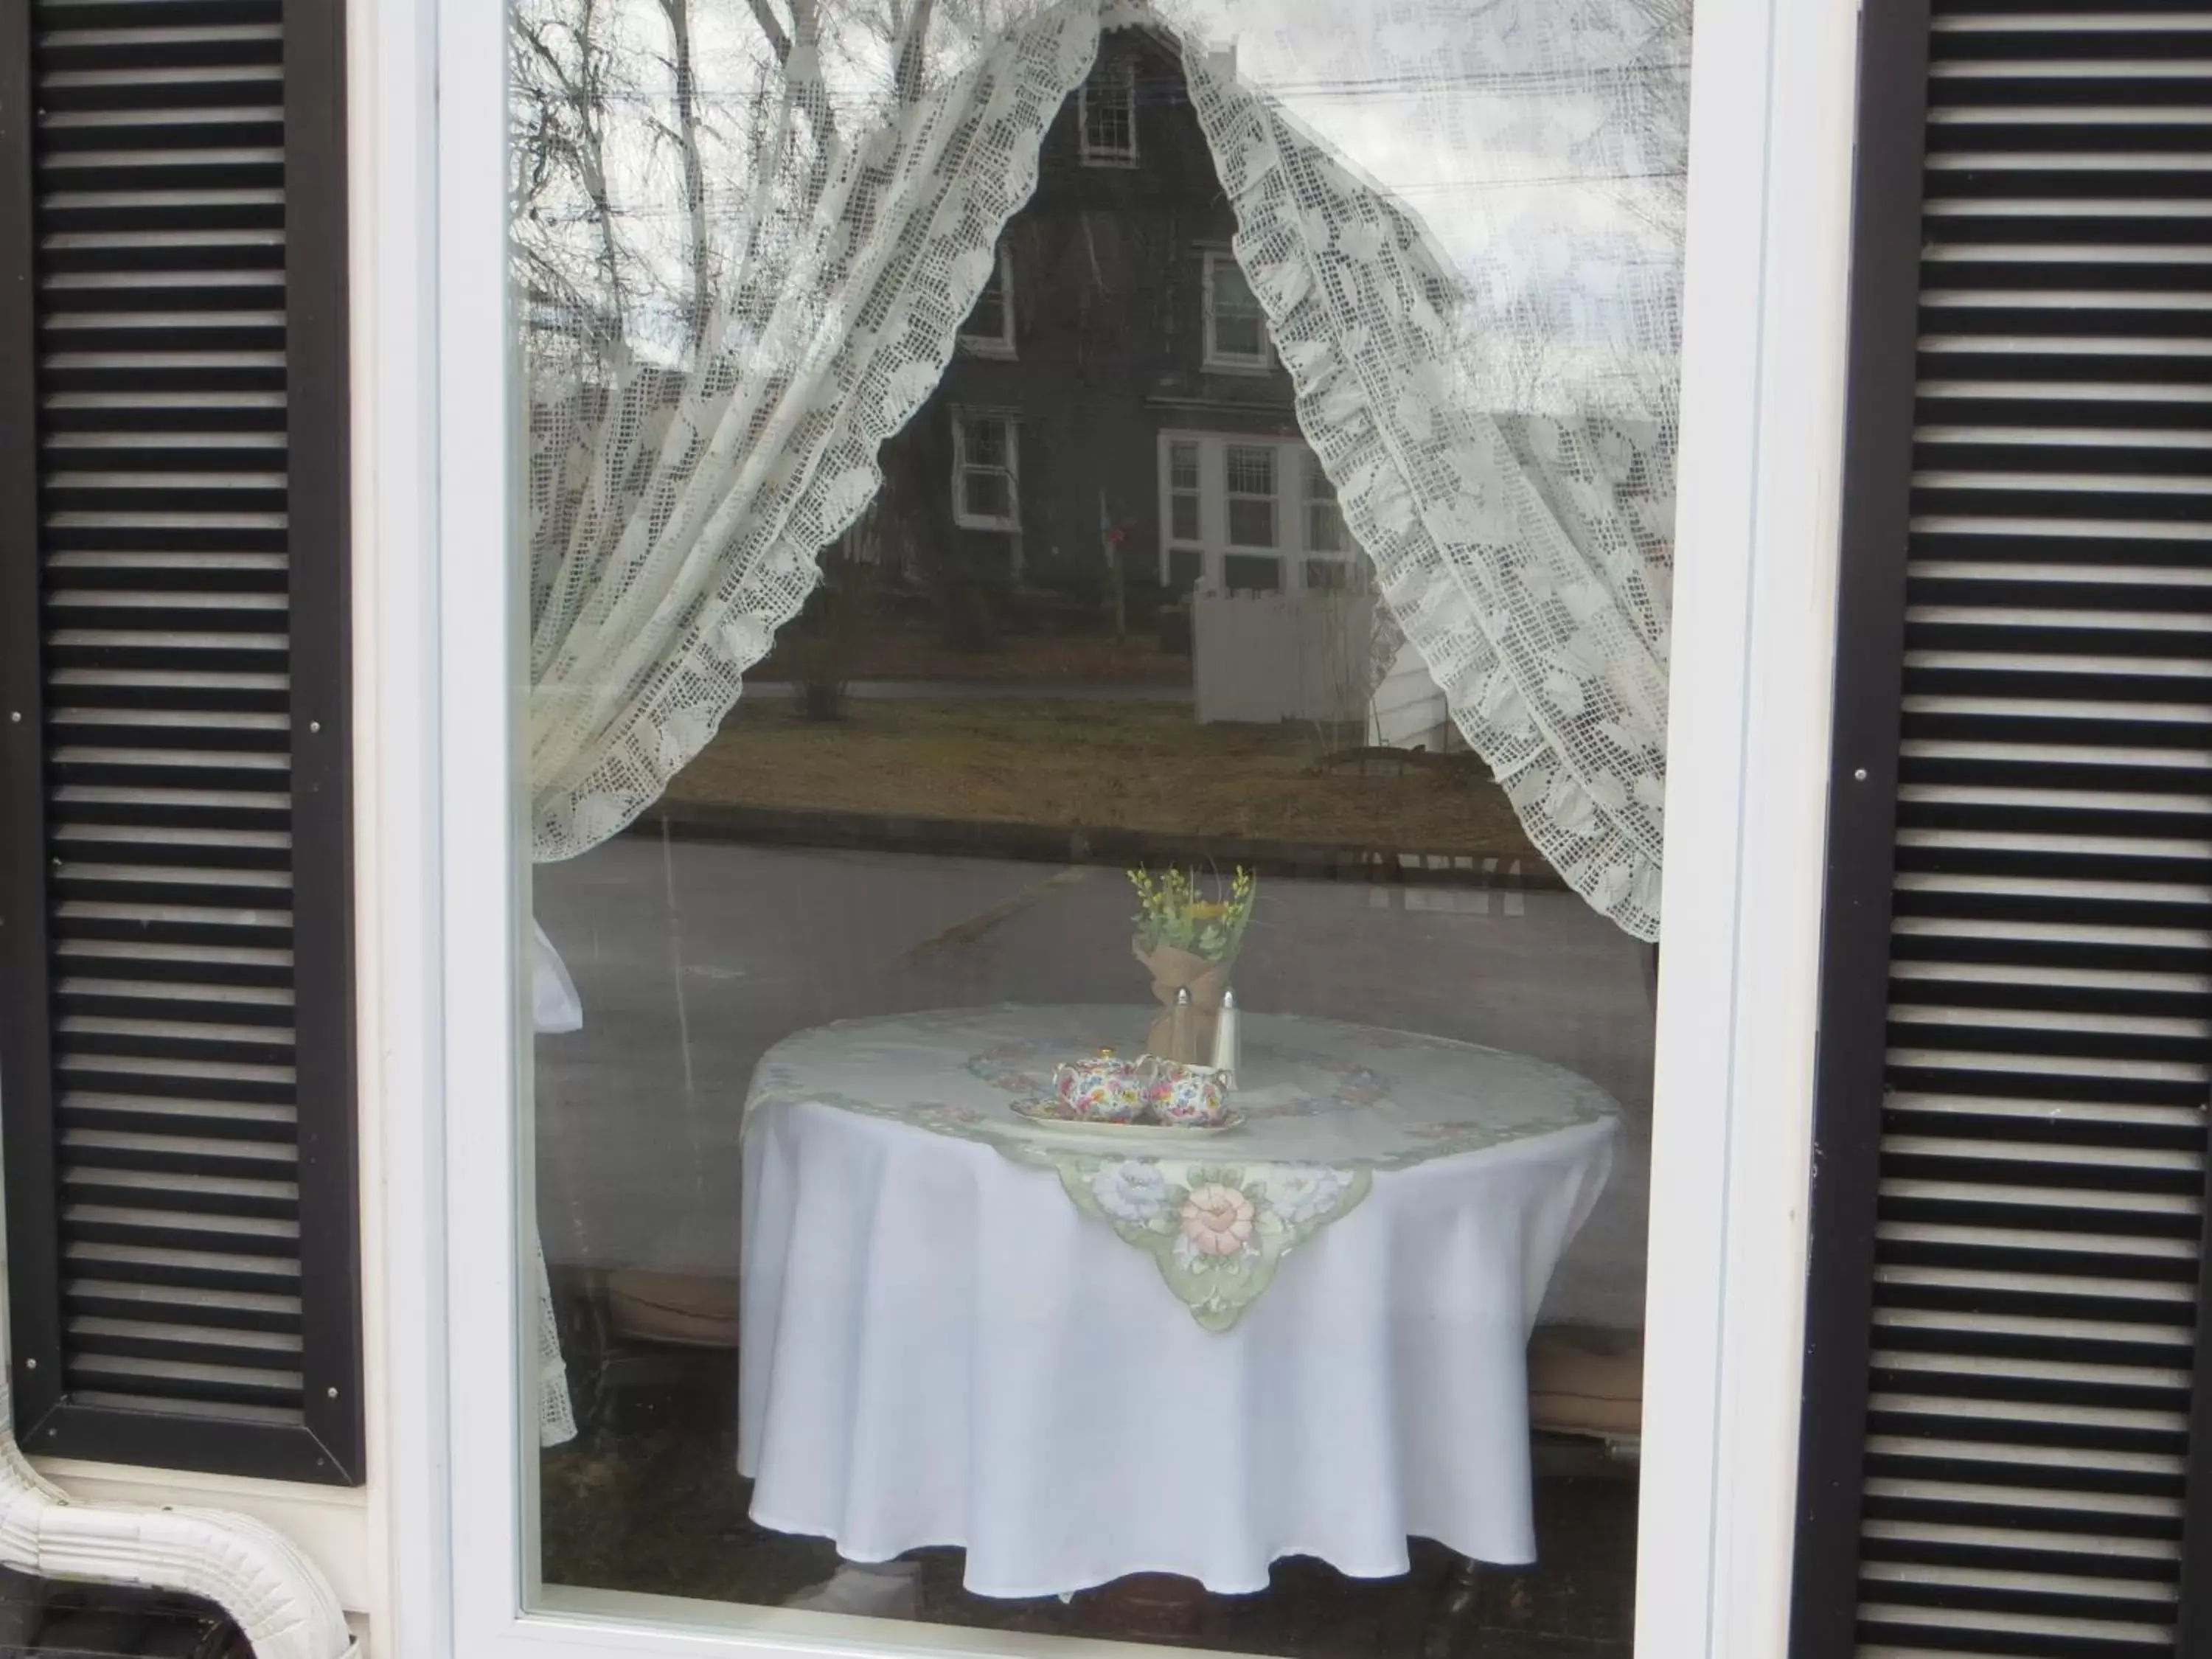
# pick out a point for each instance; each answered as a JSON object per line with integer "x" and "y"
{"x": 1048, "y": 1115}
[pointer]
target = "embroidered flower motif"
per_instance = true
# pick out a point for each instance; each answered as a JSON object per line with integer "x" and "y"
{"x": 946, "y": 1115}
{"x": 1129, "y": 1191}
{"x": 1219, "y": 1220}
{"x": 1300, "y": 1193}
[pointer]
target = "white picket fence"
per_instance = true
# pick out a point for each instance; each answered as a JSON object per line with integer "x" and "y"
{"x": 1261, "y": 657}
{"x": 1267, "y": 657}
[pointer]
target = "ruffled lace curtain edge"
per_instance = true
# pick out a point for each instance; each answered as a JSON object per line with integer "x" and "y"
{"x": 571, "y": 818}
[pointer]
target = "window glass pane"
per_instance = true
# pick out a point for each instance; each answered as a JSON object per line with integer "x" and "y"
{"x": 1330, "y": 575}
{"x": 1251, "y": 470}
{"x": 986, "y": 441}
{"x": 1325, "y": 531}
{"x": 988, "y": 320}
{"x": 909, "y": 726}
{"x": 1109, "y": 112}
{"x": 1251, "y": 523}
{"x": 1239, "y": 330}
{"x": 1244, "y": 572}
{"x": 1251, "y": 475}
{"x": 988, "y": 496}
{"x": 1182, "y": 517}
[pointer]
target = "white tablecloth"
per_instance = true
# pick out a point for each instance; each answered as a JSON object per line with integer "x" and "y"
{"x": 939, "y": 1348}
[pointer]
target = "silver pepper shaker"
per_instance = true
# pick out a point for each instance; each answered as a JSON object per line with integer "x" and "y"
{"x": 1225, "y": 1055}
{"x": 1183, "y": 1027}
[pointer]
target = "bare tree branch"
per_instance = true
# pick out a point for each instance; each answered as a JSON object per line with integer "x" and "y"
{"x": 912, "y": 35}
{"x": 778, "y": 41}
{"x": 582, "y": 93}
{"x": 698, "y": 254}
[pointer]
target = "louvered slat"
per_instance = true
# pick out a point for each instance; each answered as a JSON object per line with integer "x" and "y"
{"x": 2041, "y": 1172}
{"x": 162, "y": 361}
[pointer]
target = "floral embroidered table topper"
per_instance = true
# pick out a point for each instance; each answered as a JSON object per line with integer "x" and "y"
{"x": 1327, "y": 1107}
{"x": 1217, "y": 1229}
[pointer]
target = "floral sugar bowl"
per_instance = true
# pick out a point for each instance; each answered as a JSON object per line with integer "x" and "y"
{"x": 1185, "y": 1097}
{"x": 1102, "y": 1089}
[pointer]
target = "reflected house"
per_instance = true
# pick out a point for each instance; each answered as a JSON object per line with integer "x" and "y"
{"x": 1113, "y": 402}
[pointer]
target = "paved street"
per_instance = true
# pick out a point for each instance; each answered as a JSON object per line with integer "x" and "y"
{"x": 692, "y": 958}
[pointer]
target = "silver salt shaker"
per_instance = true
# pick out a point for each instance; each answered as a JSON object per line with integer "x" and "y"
{"x": 1225, "y": 1056}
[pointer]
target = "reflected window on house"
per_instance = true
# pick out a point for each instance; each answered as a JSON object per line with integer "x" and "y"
{"x": 1109, "y": 111}
{"x": 1324, "y": 517}
{"x": 1251, "y": 493}
{"x": 1332, "y": 576}
{"x": 1247, "y": 573}
{"x": 1185, "y": 495}
{"x": 989, "y": 330}
{"x": 985, "y": 467}
{"x": 1236, "y": 332}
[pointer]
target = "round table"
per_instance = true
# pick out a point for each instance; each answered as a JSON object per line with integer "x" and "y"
{"x": 958, "y": 1328}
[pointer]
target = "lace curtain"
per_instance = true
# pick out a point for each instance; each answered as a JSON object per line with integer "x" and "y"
{"x": 679, "y": 495}
{"x": 1497, "y": 407}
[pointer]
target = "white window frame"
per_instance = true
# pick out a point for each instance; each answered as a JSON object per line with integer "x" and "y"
{"x": 1311, "y": 472}
{"x": 1000, "y": 344}
{"x": 1169, "y": 542}
{"x": 1214, "y": 357}
{"x": 1124, "y": 76}
{"x": 442, "y": 910}
{"x": 1012, "y": 470}
{"x": 1293, "y": 545}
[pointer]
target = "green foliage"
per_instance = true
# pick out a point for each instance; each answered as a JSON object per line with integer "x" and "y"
{"x": 1192, "y": 912}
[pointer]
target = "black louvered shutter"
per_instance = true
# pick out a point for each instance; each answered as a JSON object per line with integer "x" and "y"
{"x": 175, "y": 1005}
{"x": 2005, "y": 1450}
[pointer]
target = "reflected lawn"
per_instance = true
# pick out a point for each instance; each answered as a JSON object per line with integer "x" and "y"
{"x": 1138, "y": 765}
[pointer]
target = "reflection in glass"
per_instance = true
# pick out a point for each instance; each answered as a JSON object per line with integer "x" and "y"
{"x": 1235, "y": 331}
{"x": 934, "y": 739}
{"x": 1251, "y": 494}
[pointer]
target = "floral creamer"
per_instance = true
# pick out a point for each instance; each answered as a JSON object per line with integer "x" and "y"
{"x": 1185, "y": 1097}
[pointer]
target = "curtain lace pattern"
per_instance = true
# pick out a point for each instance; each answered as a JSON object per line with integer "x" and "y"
{"x": 1496, "y": 407}
{"x": 677, "y": 512}
{"x": 1506, "y": 460}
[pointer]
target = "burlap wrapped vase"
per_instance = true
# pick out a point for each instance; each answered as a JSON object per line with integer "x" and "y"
{"x": 1174, "y": 970}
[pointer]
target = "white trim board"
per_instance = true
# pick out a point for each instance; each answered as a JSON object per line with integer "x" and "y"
{"x": 1756, "y": 536}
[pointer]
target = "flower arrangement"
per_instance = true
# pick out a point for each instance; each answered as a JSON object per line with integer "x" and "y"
{"x": 1189, "y": 929}
{"x": 1175, "y": 909}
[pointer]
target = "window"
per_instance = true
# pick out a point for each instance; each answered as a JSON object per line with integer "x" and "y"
{"x": 1251, "y": 487}
{"x": 989, "y": 330}
{"x": 1230, "y": 500}
{"x": 985, "y": 471}
{"x": 1107, "y": 116}
{"x": 1184, "y": 497}
{"x": 1329, "y": 567}
{"x": 829, "y": 948}
{"x": 1325, "y": 531}
{"x": 1235, "y": 331}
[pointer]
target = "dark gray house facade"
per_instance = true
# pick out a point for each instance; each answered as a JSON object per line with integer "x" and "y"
{"x": 1114, "y": 405}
